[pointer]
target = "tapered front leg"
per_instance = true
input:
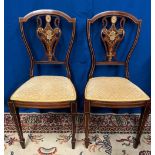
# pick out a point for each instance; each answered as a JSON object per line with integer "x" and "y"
{"x": 73, "y": 113}
{"x": 143, "y": 119}
{"x": 14, "y": 111}
{"x": 86, "y": 121}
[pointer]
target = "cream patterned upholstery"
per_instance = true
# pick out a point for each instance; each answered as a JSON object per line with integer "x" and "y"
{"x": 113, "y": 89}
{"x": 46, "y": 89}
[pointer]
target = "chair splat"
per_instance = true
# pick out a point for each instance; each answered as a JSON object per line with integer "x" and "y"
{"x": 49, "y": 36}
{"x": 112, "y": 37}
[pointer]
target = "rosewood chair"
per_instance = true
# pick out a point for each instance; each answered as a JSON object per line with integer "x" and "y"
{"x": 46, "y": 92}
{"x": 113, "y": 92}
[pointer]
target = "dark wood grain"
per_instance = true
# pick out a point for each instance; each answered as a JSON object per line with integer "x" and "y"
{"x": 15, "y": 105}
{"x": 108, "y": 14}
{"x": 37, "y": 13}
{"x": 110, "y": 61}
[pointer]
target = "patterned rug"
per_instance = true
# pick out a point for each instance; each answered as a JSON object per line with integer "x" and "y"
{"x": 49, "y": 134}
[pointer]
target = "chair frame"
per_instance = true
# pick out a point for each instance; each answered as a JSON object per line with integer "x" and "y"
{"x": 15, "y": 105}
{"x": 145, "y": 105}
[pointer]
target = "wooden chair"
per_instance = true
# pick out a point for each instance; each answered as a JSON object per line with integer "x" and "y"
{"x": 45, "y": 92}
{"x": 113, "y": 92}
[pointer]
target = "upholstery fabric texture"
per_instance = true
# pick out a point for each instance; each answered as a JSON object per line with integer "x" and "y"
{"x": 113, "y": 89}
{"x": 16, "y": 59}
{"x": 46, "y": 89}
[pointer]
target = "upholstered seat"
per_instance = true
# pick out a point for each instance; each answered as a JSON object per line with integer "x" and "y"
{"x": 113, "y": 89}
{"x": 46, "y": 89}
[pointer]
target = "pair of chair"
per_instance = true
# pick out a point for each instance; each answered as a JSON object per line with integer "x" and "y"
{"x": 55, "y": 92}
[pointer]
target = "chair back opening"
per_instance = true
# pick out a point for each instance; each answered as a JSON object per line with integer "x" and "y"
{"x": 48, "y": 36}
{"x": 116, "y": 33}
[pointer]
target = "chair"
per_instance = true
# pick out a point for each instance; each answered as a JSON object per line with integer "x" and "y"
{"x": 45, "y": 92}
{"x": 113, "y": 92}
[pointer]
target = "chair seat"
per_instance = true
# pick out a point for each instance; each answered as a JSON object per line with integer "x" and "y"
{"x": 46, "y": 89}
{"x": 115, "y": 89}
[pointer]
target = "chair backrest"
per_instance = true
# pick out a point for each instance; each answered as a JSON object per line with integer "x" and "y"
{"x": 48, "y": 31}
{"x": 112, "y": 34}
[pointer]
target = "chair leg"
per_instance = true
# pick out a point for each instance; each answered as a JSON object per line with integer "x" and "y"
{"x": 14, "y": 111}
{"x": 86, "y": 122}
{"x": 73, "y": 113}
{"x": 143, "y": 119}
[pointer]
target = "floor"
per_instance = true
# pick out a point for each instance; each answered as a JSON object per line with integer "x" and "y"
{"x": 50, "y": 134}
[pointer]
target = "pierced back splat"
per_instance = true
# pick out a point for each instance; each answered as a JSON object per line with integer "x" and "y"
{"x": 112, "y": 37}
{"x": 49, "y": 36}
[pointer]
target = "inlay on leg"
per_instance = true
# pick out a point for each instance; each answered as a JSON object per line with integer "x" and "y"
{"x": 73, "y": 112}
{"x": 15, "y": 115}
{"x": 86, "y": 122}
{"x": 143, "y": 119}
